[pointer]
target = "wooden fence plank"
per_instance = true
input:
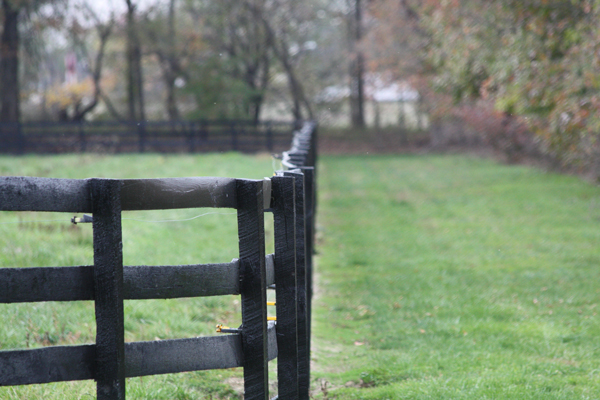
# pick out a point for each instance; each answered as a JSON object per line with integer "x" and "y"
{"x": 20, "y": 193}
{"x": 253, "y": 288}
{"x": 193, "y": 354}
{"x": 108, "y": 278}
{"x": 49, "y": 364}
{"x": 167, "y": 282}
{"x": 131, "y": 136}
{"x": 169, "y": 193}
{"x": 21, "y": 285}
{"x": 180, "y": 355}
{"x": 72, "y": 195}
{"x": 285, "y": 281}
{"x": 303, "y": 337}
{"x": 273, "y": 350}
{"x": 73, "y": 363}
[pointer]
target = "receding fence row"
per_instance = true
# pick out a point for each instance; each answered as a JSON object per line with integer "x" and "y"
{"x": 151, "y": 136}
{"x": 289, "y": 195}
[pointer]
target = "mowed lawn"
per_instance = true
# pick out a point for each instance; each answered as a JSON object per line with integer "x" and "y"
{"x": 455, "y": 277}
{"x": 438, "y": 277}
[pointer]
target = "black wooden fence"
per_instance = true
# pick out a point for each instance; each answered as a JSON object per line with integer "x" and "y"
{"x": 154, "y": 136}
{"x": 290, "y": 195}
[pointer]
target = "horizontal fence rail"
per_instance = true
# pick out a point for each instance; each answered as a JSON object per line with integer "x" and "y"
{"x": 73, "y": 363}
{"x": 289, "y": 195}
{"x": 153, "y": 136}
{"x": 22, "y": 285}
{"x": 74, "y": 195}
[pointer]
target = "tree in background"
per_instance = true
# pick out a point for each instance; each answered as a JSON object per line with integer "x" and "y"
{"x": 228, "y": 56}
{"x": 135, "y": 77}
{"x": 9, "y": 63}
{"x": 288, "y": 46}
{"x": 357, "y": 65}
{"x": 16, "y": 13}
{"x": 534, "y": 62}
{"x": 163, "y": 40}
{"x": 224, "y": 69}
{"x": 81, "y": 90}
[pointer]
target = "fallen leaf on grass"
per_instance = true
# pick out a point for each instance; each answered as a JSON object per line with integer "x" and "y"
{"x": 359, "y": 343}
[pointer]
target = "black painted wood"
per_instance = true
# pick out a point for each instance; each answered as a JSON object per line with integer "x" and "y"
{"x": 272, "y": 340}
{"x": 72, "y": 363}
{"x": 167, "y": 282}
{"x": 157, "y": 194}
{"x": 135, "y": 136}
{"x": 180, "y": 355}
{"x": 253, "y": 288}
{"x": 110, "y": 360}
{"x": 19, "y": 285}
{"x": 310, "y": 191}
{"x": 285, "y": 281}
{"x": 108, "y": 278}
{"x": 19, "y": 193}
{"x": 193, "y": 354}
{"x": 49, "y": 364}
{"x": 72, "y": 195}
{"x": 300, "y": 227}
{"x": 270, "y": 267}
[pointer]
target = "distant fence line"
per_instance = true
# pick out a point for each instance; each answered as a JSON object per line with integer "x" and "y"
{"x": 290, "y": 195}
{"x": 153, "y": 136}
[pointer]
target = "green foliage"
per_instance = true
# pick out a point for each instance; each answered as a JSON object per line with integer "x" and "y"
{"x": 218, "y": 94}
{"x": 453, "y": 277}
{"x": 536, "y": 59}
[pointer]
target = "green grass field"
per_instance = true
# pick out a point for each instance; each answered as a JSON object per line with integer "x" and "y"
{"x": 438, "y": 277}
{"x": 453, "y": 277}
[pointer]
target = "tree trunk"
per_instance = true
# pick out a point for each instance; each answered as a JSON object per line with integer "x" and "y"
{"x": 280, "y": 47}
{"x": 130, "y": 62}
{"x": 135, "y": 90}
{"x": 170, "y": 67}
{"x": 140, "y": 81}
{"x": 103, "y": 34}
{"x": 357, "y": 96}
{"x": 9, "y": 65}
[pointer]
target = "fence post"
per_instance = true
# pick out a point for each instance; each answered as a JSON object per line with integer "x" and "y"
{"x": 108, "y": 282}
{"x": 309, "y": 191}
{"x": 234, "y": 139}
{"x": 270, "y": 136}
{"x": 302, "y": 286}
{"x": 251, "y": 232}
{"x": 286, "y": 286}
{"x": 204, "y": 132}
{"x": 82, "y": 141}
{"x": 141, "y": 128}
{"x": 192, "y": 136}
